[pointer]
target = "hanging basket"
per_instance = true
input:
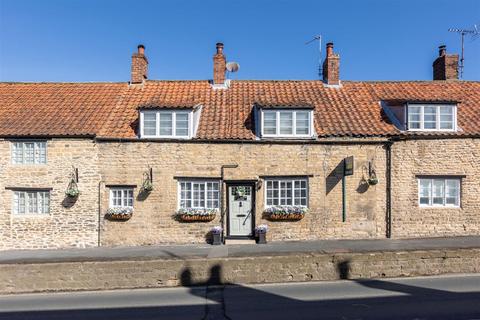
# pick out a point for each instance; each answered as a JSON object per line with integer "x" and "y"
{"x": 72, "y": 189}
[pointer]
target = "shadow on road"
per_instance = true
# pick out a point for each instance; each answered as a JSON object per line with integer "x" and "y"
{"x": 243, "y": 302}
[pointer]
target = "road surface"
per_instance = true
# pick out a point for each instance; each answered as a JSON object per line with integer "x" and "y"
{"x": 445, "y": 297}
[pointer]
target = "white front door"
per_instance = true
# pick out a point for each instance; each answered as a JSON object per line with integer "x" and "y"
{"x": 240, "y": 213}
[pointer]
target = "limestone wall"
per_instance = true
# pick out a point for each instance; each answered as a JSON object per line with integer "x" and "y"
{"x": 456, "y": 157}
{"x": 69, "y": 224}
{"x": 152, "y": 222}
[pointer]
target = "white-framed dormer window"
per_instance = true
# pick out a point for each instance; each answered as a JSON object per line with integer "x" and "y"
{"x": 121, "y": 197}
{"x": 31, "y": 202}
{"x": 439, "y": 192}
{"x": 286, "y": 192}
{"x": 432, "y": 117}
{"x": 286, "y": 123}
{"x": 166, "y": 124}
{"x": 199, "y": 194}
{"x": 29, "y": 152}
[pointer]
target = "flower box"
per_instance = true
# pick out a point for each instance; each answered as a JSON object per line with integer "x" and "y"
{"x": 288, "y": 213}
{"x": 196, "y": 215}
{"x": 119, "y": 213}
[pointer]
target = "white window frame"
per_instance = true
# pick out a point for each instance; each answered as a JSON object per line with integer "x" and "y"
{"x": 294, "y": 123}
{"x": 122, "y": 197}
{"x": 199, "y": 181}
{"x": 36, "y": 146}
{"x": 286, "y": 179}
{"x": 437, "y": 120}
{"x": 174, "y": 123}
{"x": 444, "y": 179}
{"x": 39, "y": 192}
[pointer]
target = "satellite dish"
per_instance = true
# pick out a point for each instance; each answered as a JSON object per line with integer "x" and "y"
{"x": 232, "y": 66}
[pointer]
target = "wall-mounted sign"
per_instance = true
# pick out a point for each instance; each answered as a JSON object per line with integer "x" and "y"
{"x": 348, "y": 166}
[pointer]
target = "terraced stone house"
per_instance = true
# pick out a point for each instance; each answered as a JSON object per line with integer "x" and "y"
{"x": 152, "y": 161}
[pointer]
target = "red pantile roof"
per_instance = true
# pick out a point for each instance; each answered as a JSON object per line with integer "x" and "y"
{"x": 111, "y": 109}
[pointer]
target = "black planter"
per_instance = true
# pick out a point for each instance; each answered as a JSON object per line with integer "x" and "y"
{"x": 261, "y": 238}
{"x": 217, "y": 239}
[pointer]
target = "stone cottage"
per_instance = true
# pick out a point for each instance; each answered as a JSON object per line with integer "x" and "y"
{"x": 152, "y": 161}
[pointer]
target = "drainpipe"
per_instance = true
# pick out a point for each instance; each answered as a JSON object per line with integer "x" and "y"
{"x": 222, "y": 210}
{"x": 388, "y": 150}
{"x": 99, "y": 212}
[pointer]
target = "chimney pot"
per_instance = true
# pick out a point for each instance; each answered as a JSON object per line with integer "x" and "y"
{"x": 442, "y": 50}
{"x": 141, "y": 49}
{"x": 329, "y": 48}
{"x": 219, "y": 48}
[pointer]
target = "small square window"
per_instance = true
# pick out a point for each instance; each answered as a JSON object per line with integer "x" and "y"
{"x": 439, "y": 192}
{"x": 34, "y": 202}
{"x": 121, "y": 197}
{"x": 29, "y": 152}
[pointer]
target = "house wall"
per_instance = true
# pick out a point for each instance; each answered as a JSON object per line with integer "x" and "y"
{"x": 152, "y": 221}
{"x": 69, "y": 224}
{"x": 435, "y": 157}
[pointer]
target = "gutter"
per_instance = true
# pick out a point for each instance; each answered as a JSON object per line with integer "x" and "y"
{"x": 243, "y": 141}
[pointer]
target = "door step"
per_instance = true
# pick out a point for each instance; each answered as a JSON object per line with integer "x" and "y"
{"x": 239, "y": 241}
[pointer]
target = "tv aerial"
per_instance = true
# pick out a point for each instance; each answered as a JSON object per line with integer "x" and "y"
{"x": 318, "y": 38}
{"x": 474, "y": 33}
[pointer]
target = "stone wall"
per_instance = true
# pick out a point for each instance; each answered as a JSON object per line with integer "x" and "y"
{"x": 108, "y": 275}
{"x": 435, "y": 157}
{"x": 102, "y": 164}
{"x": 152, "y": 222}
{"x": 70, "y": 223}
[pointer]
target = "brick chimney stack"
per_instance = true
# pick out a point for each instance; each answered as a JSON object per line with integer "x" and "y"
{"x": 139, "y": 66}
{"x": 331, "y": 67}
{"x": 445, "y": 67}
{"x": 219, "y": 66}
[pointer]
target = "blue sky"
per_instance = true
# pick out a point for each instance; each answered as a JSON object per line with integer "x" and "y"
{"x": 92, "y": 40}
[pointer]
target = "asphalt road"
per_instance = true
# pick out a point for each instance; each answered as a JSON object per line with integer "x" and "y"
{"x": 446, "y": 297}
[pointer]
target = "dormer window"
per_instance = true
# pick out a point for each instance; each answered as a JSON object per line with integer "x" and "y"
{"x": 287, "y": 123}
{"x": 166, "y": 124}
{"x": 432, "y": 117}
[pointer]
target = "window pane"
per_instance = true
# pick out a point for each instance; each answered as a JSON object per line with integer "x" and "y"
{"x": 425, "y": 191}
{"x": 438, "y": 191}
{"x": 302, "y": 122}
{"x": 32, "y": 202}
{"x": 166, "y": 124}
{"x": 286, "y": 122}
{"x": 150, "y": 124}
{"x": 40, "y": 152}
{"x": 29, "y": 152}
{"x": 181, "y": 124}
{"x": 430, "y": 117}
{"x": 452, "y": 192}
{"x": 269, "y": 122}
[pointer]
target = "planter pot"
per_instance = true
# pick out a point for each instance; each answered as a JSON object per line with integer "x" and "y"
{"x": 217, "y": 239}
{"x": 261, "y": 238}
{"x": 119, "y": 217}
{"x": 193, "y": 218}
{"x": 286, "y": 217}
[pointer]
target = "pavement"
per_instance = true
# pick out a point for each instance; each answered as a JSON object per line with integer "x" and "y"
{"x": 440, "y": 297}
{"x": 183, "y": 252}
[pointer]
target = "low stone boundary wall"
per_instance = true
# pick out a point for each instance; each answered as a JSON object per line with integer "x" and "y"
{"x": 70, "y": 276}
